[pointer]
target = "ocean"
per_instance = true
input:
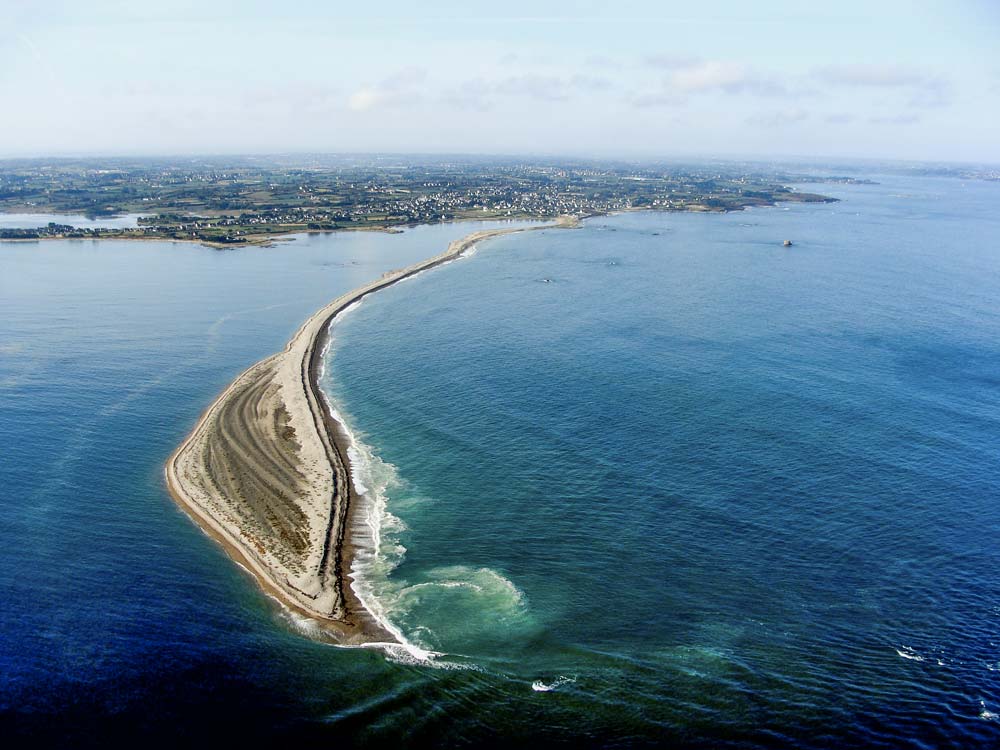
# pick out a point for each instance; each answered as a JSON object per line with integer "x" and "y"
{"x": 657, "y": 480}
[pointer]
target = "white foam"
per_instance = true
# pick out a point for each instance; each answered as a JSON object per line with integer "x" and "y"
{"x": 411, "y": 655}
{"x": 374, "y": 560}
{"x": 507, "y": 598}
{"x": 467, "y": 253}
{"x": 329, "y": 340}
{"x": 445, "y": 585}
{"x": 908, "y": 653}
{"x": 370, "y": 486}
{"x": 986, "y": 714}
{"x": 300, "y": 623}
{"x": 421, "y": 272}
{"x": 541, "y": 687}
{"x": 370, "y": 477}
{"x": 376, "y": 557}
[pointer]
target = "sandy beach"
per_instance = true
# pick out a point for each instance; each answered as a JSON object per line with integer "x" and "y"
{"x": 266, "y": 472}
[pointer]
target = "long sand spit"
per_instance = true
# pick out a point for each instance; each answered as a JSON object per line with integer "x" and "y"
{"x": 266, "y": 473}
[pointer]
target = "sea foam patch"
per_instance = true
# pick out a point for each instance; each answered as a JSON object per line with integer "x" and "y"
{"x": 448, "y": 605}
{"x": 547, "y": 687}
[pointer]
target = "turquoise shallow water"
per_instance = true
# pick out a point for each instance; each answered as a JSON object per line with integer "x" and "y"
{"x": 654, "y": 480}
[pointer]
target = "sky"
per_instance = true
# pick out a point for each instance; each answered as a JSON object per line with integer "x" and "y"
{"x": 884, "y": 79}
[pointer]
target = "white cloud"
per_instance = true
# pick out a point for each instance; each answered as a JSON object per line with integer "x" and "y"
{"x": 658, "y": 99}
{"x": 709, "y": 75}
{"x": 839, "y": 118}
{"x": 481, "y": 93}
{"x": 404, "y": 80}
{"x": 541, "y": 87}
{"x": 690, "y": 76}
{"x": 602, "y": 61}
{"x": 894, "y": 120}
{"x": 777, "y": 119}
{"x": 922, "y": 90}
{"x": 669, "y": 61}
{"x": 882, "y": 76}
{"x": 364, "y": 99}
{"x": 398, "y": 88}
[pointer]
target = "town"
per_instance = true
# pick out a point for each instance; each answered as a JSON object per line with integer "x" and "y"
{"x": 250, "y": 200}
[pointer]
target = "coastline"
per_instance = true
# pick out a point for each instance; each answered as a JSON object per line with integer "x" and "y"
{"x": 273, "y": 238}
{"x": 269, "y": 239}
{"x": 266, "y": 472}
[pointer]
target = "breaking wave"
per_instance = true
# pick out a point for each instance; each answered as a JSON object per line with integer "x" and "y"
{"x": 448, "y": 605}
{"x": 547, "y": 687}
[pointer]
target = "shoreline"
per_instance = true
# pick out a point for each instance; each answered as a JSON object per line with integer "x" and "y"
{"x": 271, "y": 239}
{"x": 269, "y": 449}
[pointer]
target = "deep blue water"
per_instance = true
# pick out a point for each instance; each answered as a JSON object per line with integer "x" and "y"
{"x": 707, "y": 490}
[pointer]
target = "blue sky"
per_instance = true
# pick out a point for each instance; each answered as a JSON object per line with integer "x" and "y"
{"x": 881, "y": 79}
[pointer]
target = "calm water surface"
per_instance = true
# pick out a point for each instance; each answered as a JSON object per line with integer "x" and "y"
{"x": 32, "y": 221}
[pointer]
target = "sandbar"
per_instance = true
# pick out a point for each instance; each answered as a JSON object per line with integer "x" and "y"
{"x": 266, "y": 473}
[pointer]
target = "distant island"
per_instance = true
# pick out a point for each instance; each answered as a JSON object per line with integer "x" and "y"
{"x": 233, "y": 201}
